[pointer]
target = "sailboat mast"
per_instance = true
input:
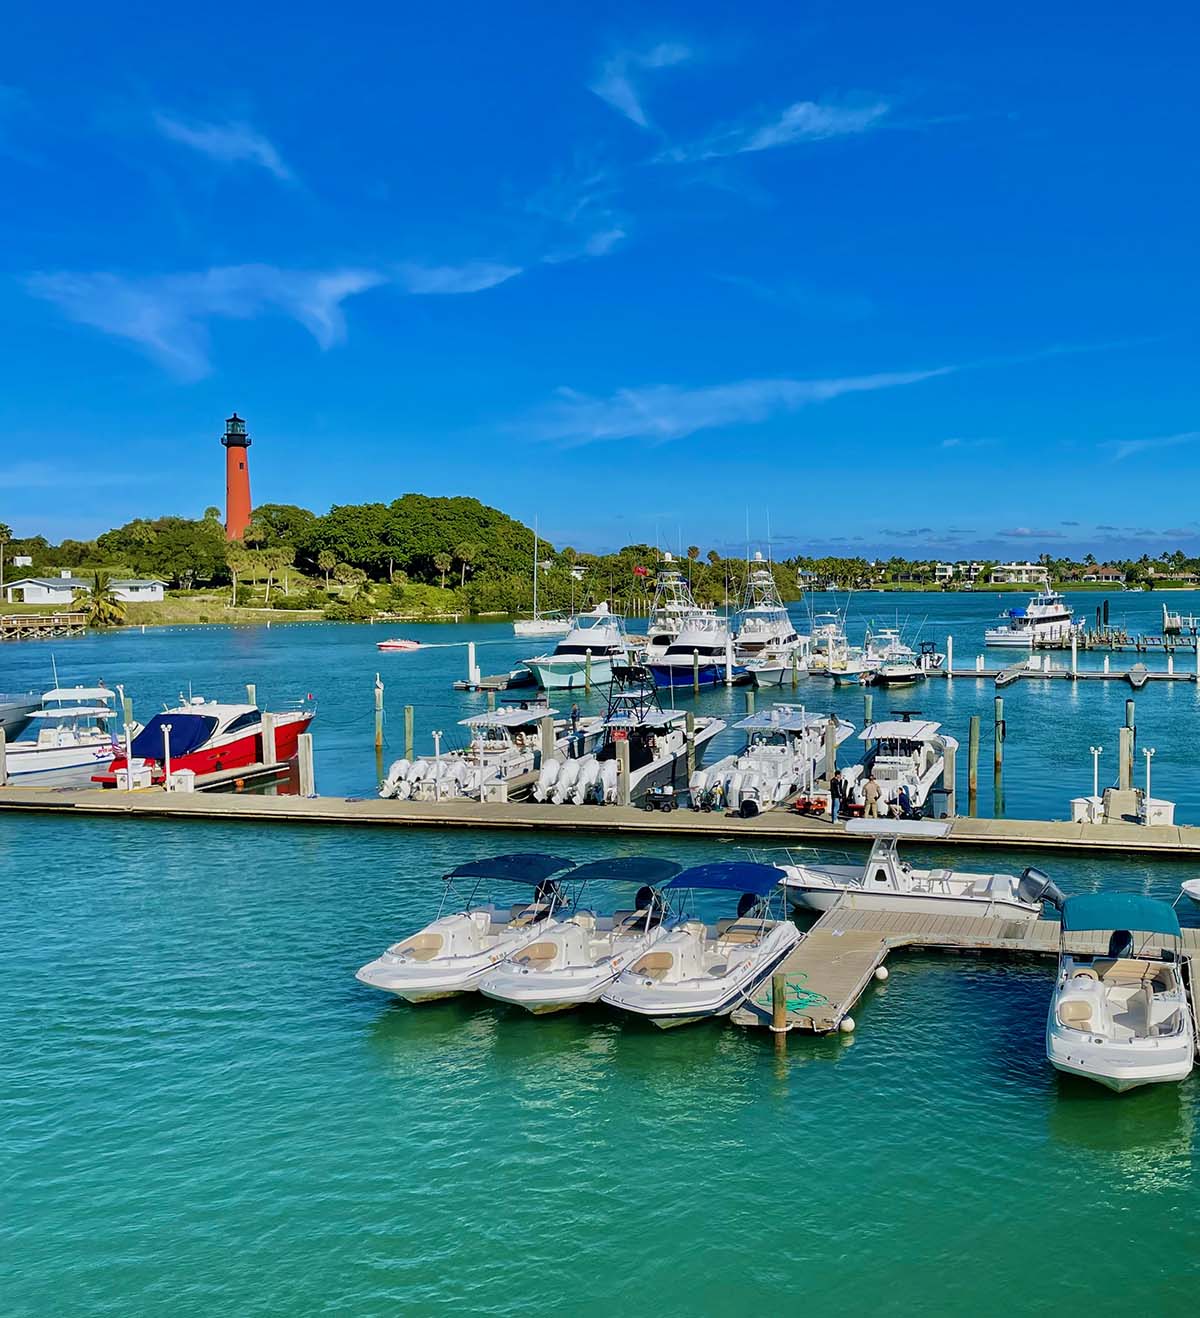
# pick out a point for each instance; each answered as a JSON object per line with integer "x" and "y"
{"x": 535, "y": 567}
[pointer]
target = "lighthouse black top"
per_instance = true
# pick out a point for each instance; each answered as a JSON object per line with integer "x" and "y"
{"x": 235, "y": 433}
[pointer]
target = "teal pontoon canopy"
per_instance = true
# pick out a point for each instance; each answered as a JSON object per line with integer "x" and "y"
{"x": 1119, "y": 910}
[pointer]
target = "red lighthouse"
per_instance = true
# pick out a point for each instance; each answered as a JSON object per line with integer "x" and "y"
{"x": 237, "y": 478}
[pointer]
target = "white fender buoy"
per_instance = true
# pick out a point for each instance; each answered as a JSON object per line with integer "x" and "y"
{"x": 881, "y": 973}
{"x": 847, "y": 1025}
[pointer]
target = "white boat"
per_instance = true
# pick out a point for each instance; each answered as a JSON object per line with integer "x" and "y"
{"x": 784, "y": 753}
{"x": 76, "y": 729}
{"x": 587, "y": 653}
{"x": 828, "y": 645}
{"x": 1191, "y": 890}
{"x": 15, "y": 712}
{"x": 765, "y": 638}
{"x": 574, "y": 962}
{"x": 698, "y": 971}
{"x": 503, "y": 746}
{"x": 895, "y": 664}
{"x": 1046, "y": 619}
{"x": 672, "y": 605}
{"x": 541, "y": 624}
{"x": 1121, "y": 1016}
{"x": 853, "y": 666}
{"x": 658, "y": 748}
{"x": 453, "y": 953}
{"x": 701, "y": 654}
{"x": 906, "y": 757}
{"x": 887, "y": 883}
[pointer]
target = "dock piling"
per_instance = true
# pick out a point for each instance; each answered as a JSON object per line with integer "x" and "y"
{"x": 378, "y": 714}
{"x": 408, "y": 732}
{"x": 750, "y": 700}
{"x": 269, "y": 754}
{"x": 779, "y": 1020}
{"x": 999, "y": 730}
{"x": 868, "y": 708}
{"x": 949, "y": 656}
{"x": 546, "y": 727}
{"x": 304, "y": 753}
{"x": 695, "y": 671}
{"x": 472, "y": 666}
{"x": 973, "y": 766}
{"x": 3, "y": 759}
{"x": 1125, "y": 759}
{"x": 491, "y": 699}
{"x": 623, "y": 772}
{"x": 587, "y": 670}
{"x": 795, "y": 669}
{"x": 830, "y": 748}
{"x": 251, "y": 697}
{"x": 729, "y": 661}
{"x": 689, "y": 727}
{"x": 949, "y": 777}
{"x": 1074, "y": 654}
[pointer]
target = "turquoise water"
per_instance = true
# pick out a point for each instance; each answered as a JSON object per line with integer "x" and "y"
{"x": 204, "y": 1113}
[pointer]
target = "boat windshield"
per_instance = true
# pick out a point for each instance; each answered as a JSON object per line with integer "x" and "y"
{"x": 188, "y": 733}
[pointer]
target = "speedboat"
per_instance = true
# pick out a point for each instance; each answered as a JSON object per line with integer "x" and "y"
{"x": 697, "y": 971}
{"x": 503, "y": 745}
{"x": 585, "y": 655}
{"x": 398, "y": 643}
{"x": 701, "y": 655}
{"x": 896, "y": 664}
{"x": 75, "y": 731}
{"x": 672, "y": 605}
{"x": 453, "y": 953}
{"x": 1121, "y": 1016}
{"x": 1047, "y": 618}
{"x": 1191, "y": 890}
{"x": 207, "y": 736}
{"x": 576, "y": 960}
{"x": 784, "y": 752}
{"x": 887, "y": 883}
{"x": 906, "y": 757}
{"x": 658, "y": 745}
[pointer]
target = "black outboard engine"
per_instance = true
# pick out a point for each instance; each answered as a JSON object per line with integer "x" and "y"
{"x": 1035, "y": 886}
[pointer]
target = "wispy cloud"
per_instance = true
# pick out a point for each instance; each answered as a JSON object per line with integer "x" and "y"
{"x": 804, "y": 121}
{"x": 799, "y": 296}
{"x": 576, "y": 212}
{"x": 1128, "y": 448}
{"x": 615, "y": 81}
{"x": 230, "y": 143}
{"x": 1029, "y": 533}
{"x": 1066, "y": 523}
{"x": 167, "y": 317}
{"x": 473, "y": 277}
{"x": 659, "y": 413}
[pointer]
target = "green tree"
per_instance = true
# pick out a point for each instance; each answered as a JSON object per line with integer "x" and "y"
{"x": 6, "y": 536}
{"x": 443, "y": 563}
{"x": 466, "y": 556}
{"x": 326, "y": 562}
{"x": 100, "y": 606}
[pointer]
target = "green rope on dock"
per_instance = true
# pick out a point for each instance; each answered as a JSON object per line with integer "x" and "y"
{"x": 797, "y": 995}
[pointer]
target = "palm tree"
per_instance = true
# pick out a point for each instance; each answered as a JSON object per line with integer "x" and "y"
{"x": 466, "y": 556}
{"x": 442, "y": 563}
{"x": 100, "y": 607}
{"x": 351, "y": 579}
{"x": 237, "y": 560}
{"x": 6, "y": 536}
{"x": 326, "y": 562}
{"x": 693, "y": 552}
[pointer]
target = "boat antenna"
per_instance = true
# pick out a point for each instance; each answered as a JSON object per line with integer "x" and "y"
{"x": 54, "y": 669}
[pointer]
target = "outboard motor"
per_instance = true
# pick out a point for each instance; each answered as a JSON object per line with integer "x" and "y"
{"x": 1034, "y": 886}
{"x": 547, "y": 777}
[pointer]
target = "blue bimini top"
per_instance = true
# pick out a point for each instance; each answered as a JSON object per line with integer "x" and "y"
{"x": 522, "y": 867}
{"x": 730, "y": 876}
{"x": 1119, "y": 910}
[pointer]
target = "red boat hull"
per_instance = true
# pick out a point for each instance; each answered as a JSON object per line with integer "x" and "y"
{"x": 237, "y": 753}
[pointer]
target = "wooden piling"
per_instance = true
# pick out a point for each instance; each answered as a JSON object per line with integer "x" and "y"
{"x": 304, "y": 753}
{"x": 623, "y": 773}
{"x": 868, "y": 708}
{"x": 689, "y": 727}
{"x": 408, "y": 732}
{"x": 1125, "y": 759}
{"x": 749, "y": 700}
{"x": 949, "y": 776}
{"x": 546, "y": 727}
{"x": 3, "y": 759}
{"x": 949, "y": 656}
{"x": 491, "y": 697}
{"x": 587, "y": 670}
{"x": 998, "y": 732}
{"x": 779, "y": 1021}
{"x": 251, "y": 696}
{"x": 269, "y": 754}
{"x": 378, "y": 712}
{"x": 830, "y": 748}
{"x": 127, "y": 708}
{"x": 973, "y": 767}
{"x": 795, "y": 669}
{"x": 695, "y": 671}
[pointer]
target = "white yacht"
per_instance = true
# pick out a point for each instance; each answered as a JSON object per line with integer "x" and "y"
{"x": 575, "y": 961}
{"x": 827, "y": 642}
{"x": 672, "y": 605}
{"x": 895, "y": 664}
{"x": 1046, "y": 619}
{"x": 658, "y": 748}
{"x": 587, "y": 653}
{"x": 701, "y": 654}
{"x": 784, "y": 753}
{"x": 697, "y": 971}
{"x": 887, "y": 883}
{"x": 906, "y": 757}
{"x": 453, "y": 953}
{"x": 503, "y": 745}
{"x": 76, "y": 728}
{"x": 1120, "y": 1016}
{"x": 541, "y": 624}
{"x": 765, "y": 642}
{"x": 15, "y": 712}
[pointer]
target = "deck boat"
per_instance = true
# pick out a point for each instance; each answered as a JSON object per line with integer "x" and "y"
{"x": 453, "y": 953}
{"x": 887, "y": 883}
{"x": 76, "y": 729}
{"x": 586, "y": 654}
{"x": 1120, "y": 1017}
{"x": 784, "y": 752}
{"x": 698, "y": 971}
{"x": 906, "y": 756}
{"x": 576, "y": 960}
{"x": 1046, "y": 619}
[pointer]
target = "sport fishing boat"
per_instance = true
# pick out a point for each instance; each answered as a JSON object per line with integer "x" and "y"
{"x": 672, "y": 605}
{"x": 701, "y": 655}
{"x": 541, "y": 624}
{"x": 76, "y": 729}
{"x": 576, "y": 960}
{"x": 15, "y": 711}
{"x": 896, "y": 664}
{"x": 828, "y": 646}
{"x": 503, "y": 746}
{"x": 657, "y": 741}
{"x": 765, "y": 630}
{"x": 784, "y": 753}
{"x": 855, "y": 665}
{"x": 906, "y": 757}
{"x": 207, "y": 736}
{"x": 887, "y": 883}
{"x": 1046, "y": 620}
{"x": 453, "y": 953}
{"x": 586, "y": 654}
{"x": 698, "y": 971}
{"x": 1120, "y": 1016}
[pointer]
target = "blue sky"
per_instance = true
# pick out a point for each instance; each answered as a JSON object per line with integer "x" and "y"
{"x": 916, "y": 280}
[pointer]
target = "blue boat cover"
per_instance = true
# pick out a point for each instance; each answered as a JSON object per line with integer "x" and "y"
{"x": 1119, "y": 910}
{"x": 188, "y": 733}
{"x": 627, "y": 869}
{"x": 731, "y": 875}
{"x": 1016, "y": 613}
{"x": 522, "y": 867}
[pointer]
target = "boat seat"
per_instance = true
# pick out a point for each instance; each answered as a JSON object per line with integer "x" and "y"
{"x": 1076, "y": 1013}
{"x": 422, "y": 947}
{"x": 1126, "y": 970}
{"x": 531, "y": 914}
{"x": 743, "y": 933}
{"x": 654, "y": 965}
{"x": 537, "y": 956}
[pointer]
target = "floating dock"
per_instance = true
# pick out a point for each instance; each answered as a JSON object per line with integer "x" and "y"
{"x": 830, "y": 968}
{"x": 775, "y": 827}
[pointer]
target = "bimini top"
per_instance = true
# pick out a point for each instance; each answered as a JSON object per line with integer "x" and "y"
{"x": 508, "y": 718}
{"x": 627, "y": 869}
{"x": 785, "y": 718}
{"x": 650, "y": 718}
{"x": 79, "y": 693}
{"x": 732, "y": 876}
{"x": 899, "y": 730}
{"x": 1119, "y": 910}
{"x": 522, "y": 867}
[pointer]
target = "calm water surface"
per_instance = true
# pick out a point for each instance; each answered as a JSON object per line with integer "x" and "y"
{"x": 204, "y": 1113}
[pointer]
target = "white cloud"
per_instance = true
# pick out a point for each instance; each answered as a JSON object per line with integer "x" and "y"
{"x": 473, "y": 277}
{"x": 1029, "y": 533}
{"x": 804, "y": 121}
{"x": 660, "y": 413}
{"x": 229, "y": 143}
{"x": 614, "y": 83}
{"x": 167, "y": 316}
{"x": 1128, "y": 448}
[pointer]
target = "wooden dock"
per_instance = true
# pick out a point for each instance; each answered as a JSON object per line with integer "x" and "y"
{"x": 1137, "y": 676}
{"x": 831, "y": 967}
{"x": 40, "y": 626}
{"x": 774, "y": 828}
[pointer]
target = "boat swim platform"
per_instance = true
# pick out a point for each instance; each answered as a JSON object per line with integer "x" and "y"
{"x": 776, "y": 827}
{"x": 831, "y": 967}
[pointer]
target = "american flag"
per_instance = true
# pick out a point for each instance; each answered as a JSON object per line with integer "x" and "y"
{"x": 641, "y": 571}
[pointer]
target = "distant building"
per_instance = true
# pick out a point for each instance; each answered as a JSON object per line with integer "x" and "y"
{"x": 22, "y": 560}
{"x": 138, "y": 590}
{"x": 1107, "y": 574}
{"x": 946, "y": 572}
{"x": 64, "y": 588}
{"x": 1028, "y": 574}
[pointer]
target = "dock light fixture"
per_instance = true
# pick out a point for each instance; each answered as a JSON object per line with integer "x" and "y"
{"x": 1148, "y": 752}
{"x": 1096, "y": 753}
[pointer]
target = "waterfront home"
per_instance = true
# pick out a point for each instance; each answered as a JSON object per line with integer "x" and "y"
{"x": 64, "y": 588}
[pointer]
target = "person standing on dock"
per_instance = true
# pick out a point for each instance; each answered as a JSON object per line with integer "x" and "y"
{"x": 837, "y": 788}
{"x": 871, "y": 799}
{"x": 575, "y": 717}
